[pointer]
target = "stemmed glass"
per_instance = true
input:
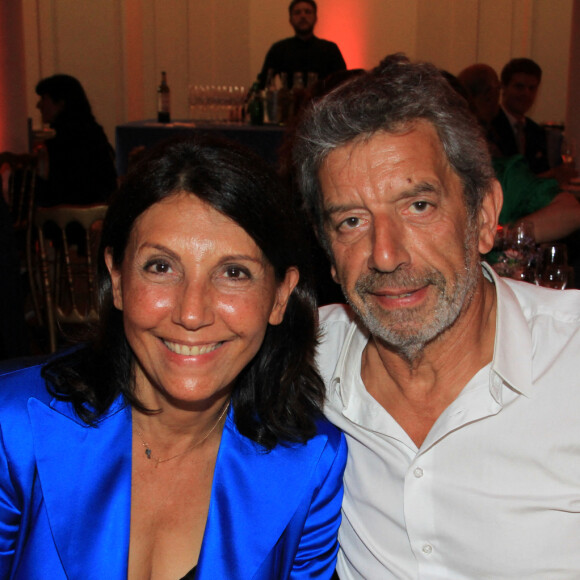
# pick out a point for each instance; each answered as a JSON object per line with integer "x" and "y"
{"x": 518, "y": 252}
{"x": 552, "y": 268}
{"x": 568, "y": 151}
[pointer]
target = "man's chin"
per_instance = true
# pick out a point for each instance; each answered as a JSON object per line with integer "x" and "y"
{"x": 304, "y": 31}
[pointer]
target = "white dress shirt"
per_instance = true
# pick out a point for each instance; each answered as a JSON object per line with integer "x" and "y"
{"x": 494, "y": 490}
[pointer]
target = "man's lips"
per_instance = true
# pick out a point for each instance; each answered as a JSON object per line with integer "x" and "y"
{"x": 400, "y": 295}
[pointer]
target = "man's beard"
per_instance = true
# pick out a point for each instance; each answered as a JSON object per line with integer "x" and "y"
{"x": 408, "y": 330}
{"x": 307, "y": 30}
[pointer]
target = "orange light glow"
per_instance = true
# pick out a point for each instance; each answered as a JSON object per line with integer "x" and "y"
{"x": 343, "y": 22}
{"x": 13, "y": 128}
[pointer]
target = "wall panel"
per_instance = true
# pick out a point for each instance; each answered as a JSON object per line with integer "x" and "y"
{"x": 494, "y": 33}
{"x": 118, "y": 47}
{"x": 552, "y": 25}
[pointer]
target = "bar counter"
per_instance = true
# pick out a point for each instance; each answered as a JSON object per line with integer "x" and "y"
{"x": 265, "y": 140}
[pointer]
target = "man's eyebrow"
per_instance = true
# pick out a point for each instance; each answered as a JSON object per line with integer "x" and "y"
{"x": 333, "y": 209}
{"x": 422, "y": 187}
{"x": 415, "y": 191}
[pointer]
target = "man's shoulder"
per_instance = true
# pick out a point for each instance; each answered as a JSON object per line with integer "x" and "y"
{"x": 336, "y": 322}
{"x": 537, "y": 302}
{"x": 552, "y": 316}
{"x": 535, "y": 128}
{"x": 325, "y": 43}
{"x": 335, "y": 315}
{"x": 500, "y": 120}
{"x": 284, "y": 43}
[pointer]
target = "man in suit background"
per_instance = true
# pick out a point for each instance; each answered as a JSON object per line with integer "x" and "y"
{"x": 514, "y": 132}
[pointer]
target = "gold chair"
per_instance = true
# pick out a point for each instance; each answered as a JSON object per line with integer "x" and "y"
{"x": 19, "y": 186}
{"x": 63, "y": 257}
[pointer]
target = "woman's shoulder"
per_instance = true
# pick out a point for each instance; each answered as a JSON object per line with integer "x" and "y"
{"x": 19, "y": 385}
{"x": 18, "y": 389}
{"x": 333, "y": 435}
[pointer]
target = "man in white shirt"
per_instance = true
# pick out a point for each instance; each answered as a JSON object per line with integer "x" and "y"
{"x": 456, "y": 389}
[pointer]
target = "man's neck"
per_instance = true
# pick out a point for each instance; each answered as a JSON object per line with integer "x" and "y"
{"x": 513, "y": 117}
{"x": 415, "y": 392}
{"x": 305, "y": 37}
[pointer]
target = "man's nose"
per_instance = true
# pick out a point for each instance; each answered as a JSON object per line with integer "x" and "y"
{"x": 389, "y": 250}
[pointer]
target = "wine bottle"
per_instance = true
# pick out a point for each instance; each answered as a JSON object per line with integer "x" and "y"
{"x": 256, "y": 105}
{"x": 163, "y": 104}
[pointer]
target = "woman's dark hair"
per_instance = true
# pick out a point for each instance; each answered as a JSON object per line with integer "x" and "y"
{"x": 69, "y": 90}
{"x": 279, "y": 394}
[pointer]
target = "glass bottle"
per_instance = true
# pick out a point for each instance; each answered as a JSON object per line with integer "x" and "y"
{"x": 283, "y": 104}
{"x": 256, "y": 105}
{"x": 163, "y": 101}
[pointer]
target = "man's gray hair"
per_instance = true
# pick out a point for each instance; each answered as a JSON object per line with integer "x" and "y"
{"x": 391, "y": 98}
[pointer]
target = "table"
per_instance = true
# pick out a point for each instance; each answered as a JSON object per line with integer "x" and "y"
{"x": 264, "y": 140}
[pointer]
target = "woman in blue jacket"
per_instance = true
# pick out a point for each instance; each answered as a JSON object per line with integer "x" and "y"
{"x": 186, "y": 440}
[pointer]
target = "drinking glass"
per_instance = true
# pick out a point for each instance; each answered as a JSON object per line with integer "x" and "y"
{"x": 554, "y": 277}
{"x": 568, "y": 151}
{"x": 516, "y": 249}
{"x": 552, "y": 267}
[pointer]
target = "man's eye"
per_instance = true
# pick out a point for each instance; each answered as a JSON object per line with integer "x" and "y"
{"x": 420, "y": 206}
{"x": 349, "y": 223}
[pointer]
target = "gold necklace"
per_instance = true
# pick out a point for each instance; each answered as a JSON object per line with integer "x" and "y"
{"x": 158, "y": 460}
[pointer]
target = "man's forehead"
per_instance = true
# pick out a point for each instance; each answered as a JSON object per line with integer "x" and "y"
{"x": 302, "y": 6}
{"x": 386, "y": 146}
{"x": 524, "y": 79}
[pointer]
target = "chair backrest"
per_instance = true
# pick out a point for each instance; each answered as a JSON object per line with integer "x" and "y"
{"x": 63, "y": 265}
{"x": 18, "y": 186}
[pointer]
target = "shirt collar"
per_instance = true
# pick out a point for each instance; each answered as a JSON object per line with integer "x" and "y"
{"x": 348, "y": 367}
{"x": 512, "y": 353}
{"x": 514, "y": 121}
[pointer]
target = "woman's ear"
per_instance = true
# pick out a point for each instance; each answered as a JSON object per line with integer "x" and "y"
{"x": 488, "y": 217}
{"x": 283, "y": 293}
{"x": 115, "y": 274}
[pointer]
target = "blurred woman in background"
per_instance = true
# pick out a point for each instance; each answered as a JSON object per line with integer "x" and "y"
{"x": 81, "y": 161}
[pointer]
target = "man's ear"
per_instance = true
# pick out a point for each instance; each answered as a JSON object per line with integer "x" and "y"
{"x": 489, "y": 216}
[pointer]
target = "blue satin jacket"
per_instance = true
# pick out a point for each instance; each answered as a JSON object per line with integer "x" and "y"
{"x": 65, "y": 494}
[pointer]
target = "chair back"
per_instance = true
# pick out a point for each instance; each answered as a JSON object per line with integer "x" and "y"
{"x": 63, "y": 258}
{"x": 18, "y": 186}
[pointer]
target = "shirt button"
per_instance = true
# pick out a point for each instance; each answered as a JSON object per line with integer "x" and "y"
{"x": 418, "y": 472}
{"x": 427, "y": 549}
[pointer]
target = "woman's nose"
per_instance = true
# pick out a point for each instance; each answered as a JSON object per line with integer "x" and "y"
{"x": 193, "y": 308}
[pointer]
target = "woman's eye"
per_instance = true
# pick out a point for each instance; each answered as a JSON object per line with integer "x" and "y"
{"x": 237, "y": 272}
{"x": 158, "y": 267}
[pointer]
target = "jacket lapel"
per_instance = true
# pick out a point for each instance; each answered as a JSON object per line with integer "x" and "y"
{"x": 85, "y": 476}
{"x": 254, "y": 497}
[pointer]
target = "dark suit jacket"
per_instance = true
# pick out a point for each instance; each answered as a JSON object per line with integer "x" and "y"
{"x": 65, "y": 496}
{"x": 503, "y": 136}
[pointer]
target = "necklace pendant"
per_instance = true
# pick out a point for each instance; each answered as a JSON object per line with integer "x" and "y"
{"x": 148, "y": 452}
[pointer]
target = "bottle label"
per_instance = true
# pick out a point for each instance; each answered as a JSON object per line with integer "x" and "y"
{"x": 163, "y": 103}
